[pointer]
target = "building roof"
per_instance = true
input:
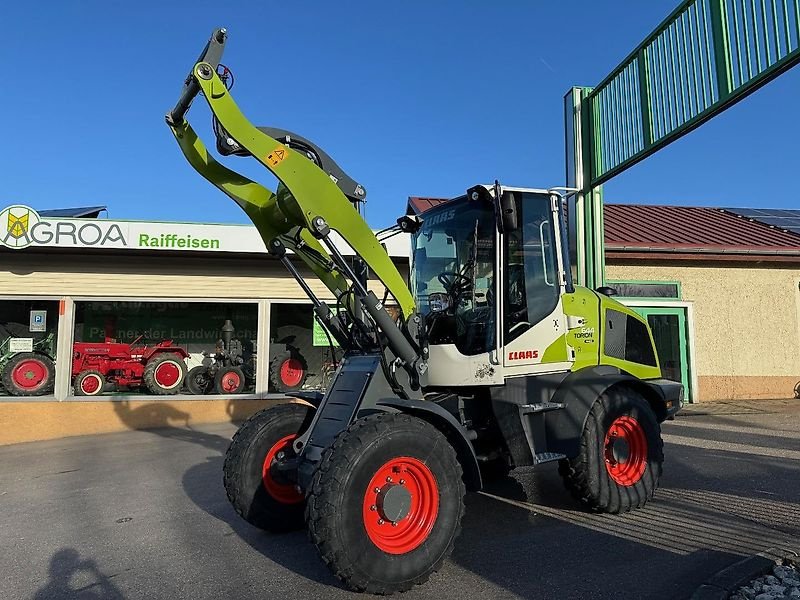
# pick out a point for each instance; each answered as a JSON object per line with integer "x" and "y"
{"x": 692, "y": 229}
{"x": 680, "y": 230}
{"x": 417, "y": 205}
{"x": 81, "y": 212}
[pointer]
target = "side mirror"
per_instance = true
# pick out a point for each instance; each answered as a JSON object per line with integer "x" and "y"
{"x": 606, "y": 291}
{"x": 410, "y": 223}
{"x": 508, "y": 212}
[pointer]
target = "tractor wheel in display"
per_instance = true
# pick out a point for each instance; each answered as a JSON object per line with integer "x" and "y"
{"x": 386, "y": 502}
{"x": 229, "y": 380}
{"x": 164, "y": 374}
{"x": 29, "y": 374}
{"x": 89, "y": 383}
{"x": 288, "y": 370}
{"x": 198, "y": 381}
{"x": 621, "y": 454}
{"x": 258, "y": 491}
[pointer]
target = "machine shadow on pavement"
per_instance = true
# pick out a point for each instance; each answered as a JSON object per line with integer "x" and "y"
{"x": 202, "y": 484}
{"x": 691, "y": 529}
{"x": 74, "y": 577}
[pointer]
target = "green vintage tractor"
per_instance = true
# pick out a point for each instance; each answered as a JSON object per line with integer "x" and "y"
{"x": 30, "y": 372}
{"x": 497, "y": 360}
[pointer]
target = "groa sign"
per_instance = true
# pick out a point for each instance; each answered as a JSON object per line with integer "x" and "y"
{"x": 24, "y": 227}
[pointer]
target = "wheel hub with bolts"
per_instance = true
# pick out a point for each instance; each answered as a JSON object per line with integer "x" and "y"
{"x": 401, "y": 504}
{"x": 625, "y": 451}
{"x": 29, "y": 374}
{"x": 276, "y": 485}
{"x": 394, "y": 502}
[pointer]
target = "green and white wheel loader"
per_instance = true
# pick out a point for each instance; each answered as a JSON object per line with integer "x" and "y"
{"x": 497, "y": 361}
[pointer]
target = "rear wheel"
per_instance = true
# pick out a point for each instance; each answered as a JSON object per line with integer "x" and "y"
{"x": 229, "y": 380}
{"x": 29, "y": 374}
{"x": 257, "y": 489}
{"x": 288, "y": 370}
{"x": 89, "y": 383}
{"x": 386, "y": 503}
{"x": 621, "y": 454}
{"x": 198, "y": 381}
{"x": 164, "y": 373}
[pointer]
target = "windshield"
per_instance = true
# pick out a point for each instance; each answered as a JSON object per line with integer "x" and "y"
{"x": 452, "y": 275}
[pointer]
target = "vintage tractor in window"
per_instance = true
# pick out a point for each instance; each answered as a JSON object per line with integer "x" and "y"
{"x": 96, "y": 366}
{"x": 231, "y": 368}
{"x": 28, "y": 373}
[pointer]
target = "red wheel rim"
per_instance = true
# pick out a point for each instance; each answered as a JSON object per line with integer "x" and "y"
{"x": 29, "y": 374}
{"x": 626, "y": 451}
{"x": 285, "y": 493}
{"x": 230, "y": 381}
{"x": 292, "y": 372}
{"x": 408, "y": 532}
{"x": 90, "y": 384}
{"x": 168, "y": 374}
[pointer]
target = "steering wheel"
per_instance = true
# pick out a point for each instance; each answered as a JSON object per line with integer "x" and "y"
{"x": 452, "y": 281}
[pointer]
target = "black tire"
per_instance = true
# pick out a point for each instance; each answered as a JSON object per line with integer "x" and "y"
{"x": 293, "y": 357}
{"x": 338, "y": 509}
{"x": 243, "y": 473}
{"x": 198, "y": 381}
{"x": 151, "y": 378}
{"x": 19, "y": 380}
{"x": 605, "y": 479}
{"x": 89, "y": 383}
{"x": 229, "y": 380}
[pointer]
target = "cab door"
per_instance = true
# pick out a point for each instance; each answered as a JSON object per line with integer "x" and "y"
{"x": 533, "y": 279}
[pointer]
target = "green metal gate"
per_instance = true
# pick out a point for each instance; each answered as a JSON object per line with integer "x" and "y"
{"x": 703, "y": 58}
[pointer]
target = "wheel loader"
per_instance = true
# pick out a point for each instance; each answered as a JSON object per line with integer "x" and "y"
{"x": 498, "y": 359}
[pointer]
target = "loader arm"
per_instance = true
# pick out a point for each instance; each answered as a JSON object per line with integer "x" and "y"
{"x": 301, "y": 214}
{"x": 260, "y": 205}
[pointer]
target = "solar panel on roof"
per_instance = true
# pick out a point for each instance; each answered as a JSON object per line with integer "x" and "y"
{"x": 743, "y": 212}
{"x": 781, "y": 218}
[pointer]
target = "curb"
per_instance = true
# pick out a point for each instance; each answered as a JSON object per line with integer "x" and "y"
{"x": 723, "y": 583}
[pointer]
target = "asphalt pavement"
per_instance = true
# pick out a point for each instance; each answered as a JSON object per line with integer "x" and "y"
{"x": 143, "y": 514}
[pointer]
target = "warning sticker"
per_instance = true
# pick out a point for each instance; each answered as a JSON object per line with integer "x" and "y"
{"x": 275, "y": 157}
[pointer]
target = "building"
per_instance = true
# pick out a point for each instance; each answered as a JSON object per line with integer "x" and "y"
{"x": 719, "y": 289}
{"x": 67, "y": 280}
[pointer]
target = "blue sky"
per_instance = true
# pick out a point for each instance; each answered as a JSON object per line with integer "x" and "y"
{"x": 411, "y": 98}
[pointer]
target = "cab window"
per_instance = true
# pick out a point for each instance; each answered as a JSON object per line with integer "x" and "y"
{"x": 531, "y": 272}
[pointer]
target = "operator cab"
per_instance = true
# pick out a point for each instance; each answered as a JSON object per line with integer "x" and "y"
{"x": 485, "y": 284}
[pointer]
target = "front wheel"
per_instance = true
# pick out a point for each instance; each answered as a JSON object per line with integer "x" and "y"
{"x": 89, "y": 383}
{"x": 259, "y": 492}
{"x": 386, "y": 503}
{"x": 621, "y": 454}
{"x": 229, "y": 380}
{"x": 198, "y": 381}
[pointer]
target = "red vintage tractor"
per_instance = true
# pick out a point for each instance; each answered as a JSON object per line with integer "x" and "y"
{"x": 160, "y": 368}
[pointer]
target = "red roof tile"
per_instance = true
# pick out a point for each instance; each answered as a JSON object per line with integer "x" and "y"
{"x": 636, "y": 227}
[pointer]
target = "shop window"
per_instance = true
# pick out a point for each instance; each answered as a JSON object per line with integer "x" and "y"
{"x": 28, "y": 331}
{"x": 300, "y": 354}
{"x": 164, "y": 348}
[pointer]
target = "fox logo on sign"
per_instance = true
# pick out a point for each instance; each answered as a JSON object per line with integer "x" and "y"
{"x": 16, "y": 222}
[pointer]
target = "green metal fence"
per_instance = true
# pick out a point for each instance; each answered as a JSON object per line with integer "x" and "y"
{"x": 705, "y": 56}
